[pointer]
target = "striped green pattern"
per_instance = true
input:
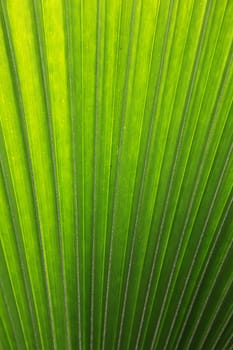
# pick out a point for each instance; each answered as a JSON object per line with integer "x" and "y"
{"x": 116, "y": 174}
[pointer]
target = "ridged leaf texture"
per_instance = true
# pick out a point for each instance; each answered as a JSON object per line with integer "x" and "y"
{"x": 116, "y": 174}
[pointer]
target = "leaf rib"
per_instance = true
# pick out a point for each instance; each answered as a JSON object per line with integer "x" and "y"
{"x": 20, "y": 108}
{"x": 70, "y": 70}
{"x": 8, "y": 186}
{"x": 48, "y": 108}
{"x": 139, "y": 205}
{"x": 187, "y": 105}
{"x": 117, "y": 171}
{"x": 192, "y": 201}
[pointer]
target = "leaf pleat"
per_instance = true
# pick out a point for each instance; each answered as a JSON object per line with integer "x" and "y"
{"x": 116, "y": 174}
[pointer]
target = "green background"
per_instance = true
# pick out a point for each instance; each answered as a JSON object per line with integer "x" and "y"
{"x": 116, "y": 174}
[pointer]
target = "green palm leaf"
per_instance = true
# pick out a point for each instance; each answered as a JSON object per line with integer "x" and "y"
{"x": 116, "y": 174}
